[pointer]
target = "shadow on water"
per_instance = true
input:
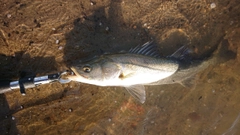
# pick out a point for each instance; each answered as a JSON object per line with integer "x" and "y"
{"x": 106, "y": 30}
{"x": 13, "y": 68}
{"x": 102, "y": 32}
{"x": 7, "y": 123}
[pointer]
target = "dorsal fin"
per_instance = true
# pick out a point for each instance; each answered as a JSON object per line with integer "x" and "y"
{"x": 148, "y": 49}
{"x": 181, "y": 53}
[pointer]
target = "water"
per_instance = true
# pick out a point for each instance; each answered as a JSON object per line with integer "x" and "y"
{"x": 32, "y": 33}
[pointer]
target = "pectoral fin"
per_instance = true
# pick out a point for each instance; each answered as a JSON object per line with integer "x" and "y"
{"x": 138, "y": 92}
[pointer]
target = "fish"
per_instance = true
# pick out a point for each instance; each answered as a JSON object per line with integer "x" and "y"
{"x": 141, "y": 65}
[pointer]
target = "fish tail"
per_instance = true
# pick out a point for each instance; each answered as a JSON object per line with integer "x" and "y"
{"x": 223, "y": 52}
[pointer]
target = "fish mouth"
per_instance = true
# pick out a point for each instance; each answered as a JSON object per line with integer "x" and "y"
{"x": 77, "y": 74}
{"x": 83, "y": 76}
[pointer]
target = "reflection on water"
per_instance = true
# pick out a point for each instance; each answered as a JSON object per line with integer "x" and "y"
{"x": 51, "y": 36}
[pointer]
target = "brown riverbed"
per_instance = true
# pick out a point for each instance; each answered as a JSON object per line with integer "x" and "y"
{"x": 39, "y": 37}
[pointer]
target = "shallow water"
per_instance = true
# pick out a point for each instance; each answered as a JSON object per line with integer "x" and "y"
{"x": 42, "y": 37}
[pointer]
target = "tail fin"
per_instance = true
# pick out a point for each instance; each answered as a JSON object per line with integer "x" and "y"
{"x": 223, "y": 53}
{"x": 220, "y": 55}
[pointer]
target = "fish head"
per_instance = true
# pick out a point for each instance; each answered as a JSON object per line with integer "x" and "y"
{"x": 88, "y": 71}
{"x": 97, "y": 72}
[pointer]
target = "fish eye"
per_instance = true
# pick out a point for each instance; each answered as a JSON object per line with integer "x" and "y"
{"x": 87, "y": 69}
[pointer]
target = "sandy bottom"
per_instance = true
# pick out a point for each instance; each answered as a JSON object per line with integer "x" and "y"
{"x": 43, "y": 37}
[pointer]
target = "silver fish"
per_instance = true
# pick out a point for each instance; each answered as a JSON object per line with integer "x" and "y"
{"x": 139, "y": 66}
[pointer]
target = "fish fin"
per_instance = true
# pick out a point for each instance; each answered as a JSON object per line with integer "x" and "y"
{"x": 189, "y": 83}
{"x": 223, "y": 53}
{"x": 181, "y": 53}
{"x": 138, "y": 92}
{"x": 148, "y": 49}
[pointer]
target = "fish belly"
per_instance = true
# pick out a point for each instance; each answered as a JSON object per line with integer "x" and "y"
{"x": 144, "y": 70}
